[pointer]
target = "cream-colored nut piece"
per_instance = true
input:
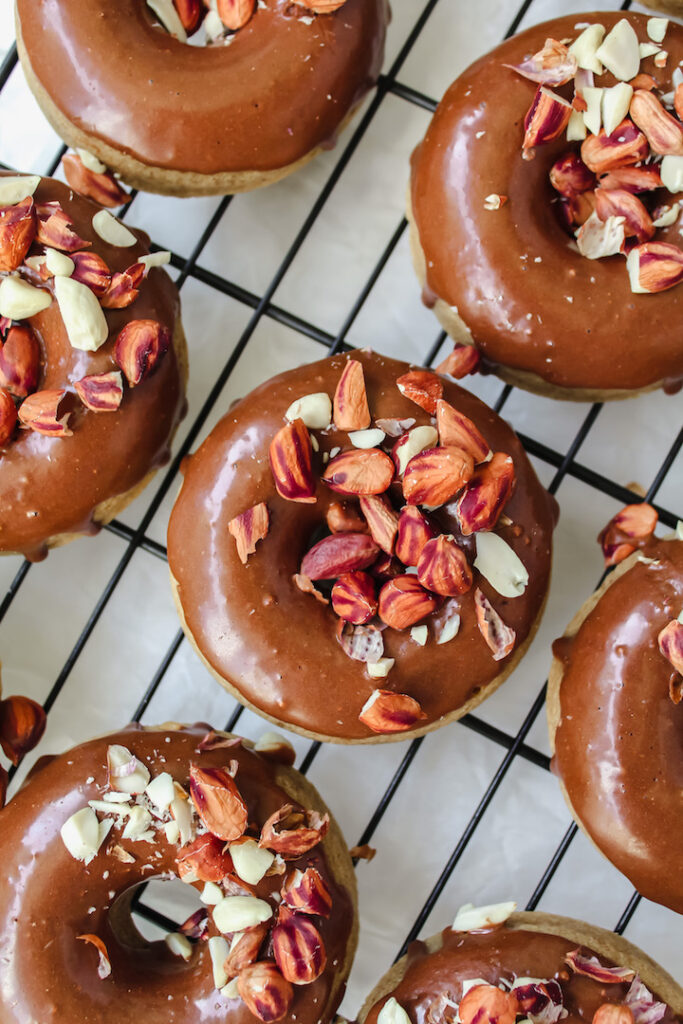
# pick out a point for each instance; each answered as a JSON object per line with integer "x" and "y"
{"x": 179, "y": 945}
{"x": 392, "y": 1013}
{"x": 656, "y": 29}
{"x": 592, "y": 115}
{"x": 576, "y": 127}
{"x": 451, "y": 628}
{"x": 370, "y": 438}
{"x": 161, "y": 791}
{"x": 615, "y": 104}
{"x": 500, "y": 565}
{"x": 156, "y": 259}
{"x": 314, "y": 410}
{"x": 647, "y": 50}
{"x": 235, "y": 913}
{"x": 270, "y": 742}
{"x": 597, "y": 239}
{"x": 82, "y": 834}
{"x": 671, "y": 172}
{"x": 16, "y": 187}
{"x": 168, "y": 16}
{"x": 668, "y": 216}
{"x": 218, "y": 951}
{"x": 378, "y": 670}
{"x": 90, "y": 161}
{"x": 126, "y": 773}
{"x": 139, "y": 821}
{"x": 585, "y": 48}
{"x": 470, "y": 918}
{"x": 419, "y": 634}
{"x": 211, "y": 894}
{"x": 416, "y": 441}
{"x": 58, "y": 263}
{"x": 20, "y": 300}
{"x": 251, "y": 861}
{"x": 82, "y": 314}
{"x": 620, "y": 52}
{"x": 112, "y": 231}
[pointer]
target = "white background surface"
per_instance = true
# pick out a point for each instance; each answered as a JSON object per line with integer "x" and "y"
{"x": 433, "y": 804}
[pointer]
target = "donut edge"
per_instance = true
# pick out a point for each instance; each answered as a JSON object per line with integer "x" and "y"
{"x": 112, "y": 507}
{"x": 457, "y": 329}
{"x": 397, "y": 737}
{"x": 148, "y": 177}
{"x": 601, "y": 940}
{"x": 553, "y": 704}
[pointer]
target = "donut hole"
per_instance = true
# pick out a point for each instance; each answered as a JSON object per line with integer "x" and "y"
{"x": 144, "y": 914}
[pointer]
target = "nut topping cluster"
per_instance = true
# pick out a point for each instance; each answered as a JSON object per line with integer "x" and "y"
{"x": 184, "y": 18}
{"x": 260, "y": 941}
{"x": 623, "y": 183}
{"x": 385, "y": 561}
{"x": 537, "y": 1000}
{"x": 42, "y": 260}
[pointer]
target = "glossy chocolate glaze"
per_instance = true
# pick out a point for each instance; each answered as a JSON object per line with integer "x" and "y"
{"x": 52, "y": 485}
{"x": 280, "y": 88}
{"x": 531, "y": 301}
{"x": 619, "y": 744}
{"x": 276, "y": 644}
{"x": 47, "y": 899}
{"x": 495, "y": 956}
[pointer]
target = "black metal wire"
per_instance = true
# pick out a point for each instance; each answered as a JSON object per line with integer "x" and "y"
{"x": 565, "y": 464}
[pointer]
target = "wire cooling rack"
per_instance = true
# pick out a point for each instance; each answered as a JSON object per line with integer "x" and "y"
{"x": 269, "y": 280}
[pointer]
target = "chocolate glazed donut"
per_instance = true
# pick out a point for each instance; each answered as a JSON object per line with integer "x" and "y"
{"x": 511, "y": 279}
{"x": 615, "y": 731}
{"x": 67, "y": 943}
{"x": 234, "y": 116}
{"x": 271, "y": 636}
{"x": 535, "y": 966}
{"x": 68, "y": 468}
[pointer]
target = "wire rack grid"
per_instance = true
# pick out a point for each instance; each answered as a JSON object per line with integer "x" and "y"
{"x": 313, "y": 265}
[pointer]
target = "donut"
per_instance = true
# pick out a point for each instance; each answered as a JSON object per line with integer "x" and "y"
{"x": 272, "y": 87}
{"x": 532, "y": 966}
{"x": 341, "y": 572}
{"x": 93, "y": 365}
{"x": 616, "y": 721}
{"x": 276, "y": 930}
{"x": 518, "y": 227}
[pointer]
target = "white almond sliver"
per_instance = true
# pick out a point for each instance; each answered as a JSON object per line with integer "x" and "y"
{"x": 80, "y": 834}
{"x": 647, "y": 50}
{"x": 126, "y": 773}
{"x": 586, "y": 46}
{"x": 366, "y": 438}
{"x": 229, "y": 991}
{"x": 633, "y": 269}
{"x": 112, "y": 231}
{"x": 592, "y": 116}
{"x": 161, "y": 791}
{"x": 172, "y": 832}
{"x": 500, "y": 565}
{"x": 82, "y": 314}
{"x": 271, "y": 741}
{"x": 450, "y": 629}
{"x": 392, "y": 1013}
{"x": 156, "y": 259}
{"x": 218, "y": 951}
{"x": 179, "y": 945}
{"x": 213, "y": 26}
{"x": 668, "y": 216}
{"x": 211, "y": 894}
{"x": 90, "y": 161}
{"x": 470, "y": 918}
{"x": 379, "y": 669}
{"x": 656, "y": 29}
{"x": 235, "y": 913}
{"x": 620, "y": 52}
{"x": 315, "y": 410}
{"x": 15, "y": 187}
{"x": 251, "y": 861}
{"x": 138, "y": 822}
{"x": 596, "y": 238}
{"x": 419, "y": 634}
{"x": 416, "y": 441}
{"x": 59, "y": 264}
{"x": 168, "y": 16}
{"x": 20, "y": 300}
{"x": 615, "y": 104}
{"x": 576, "y": 127}
{"x": 671, "y": 171}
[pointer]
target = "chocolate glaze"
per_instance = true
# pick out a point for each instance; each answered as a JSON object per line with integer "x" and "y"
{"x": 276, "y": 644}
{"x": 483, "y": 262}
{"x": 52, "y": 485}
{"x": 47, "y": 896}
{"x": 280, "y": 88}
{"x": 495, "y": 956}
{"x": 619, "y": 743}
